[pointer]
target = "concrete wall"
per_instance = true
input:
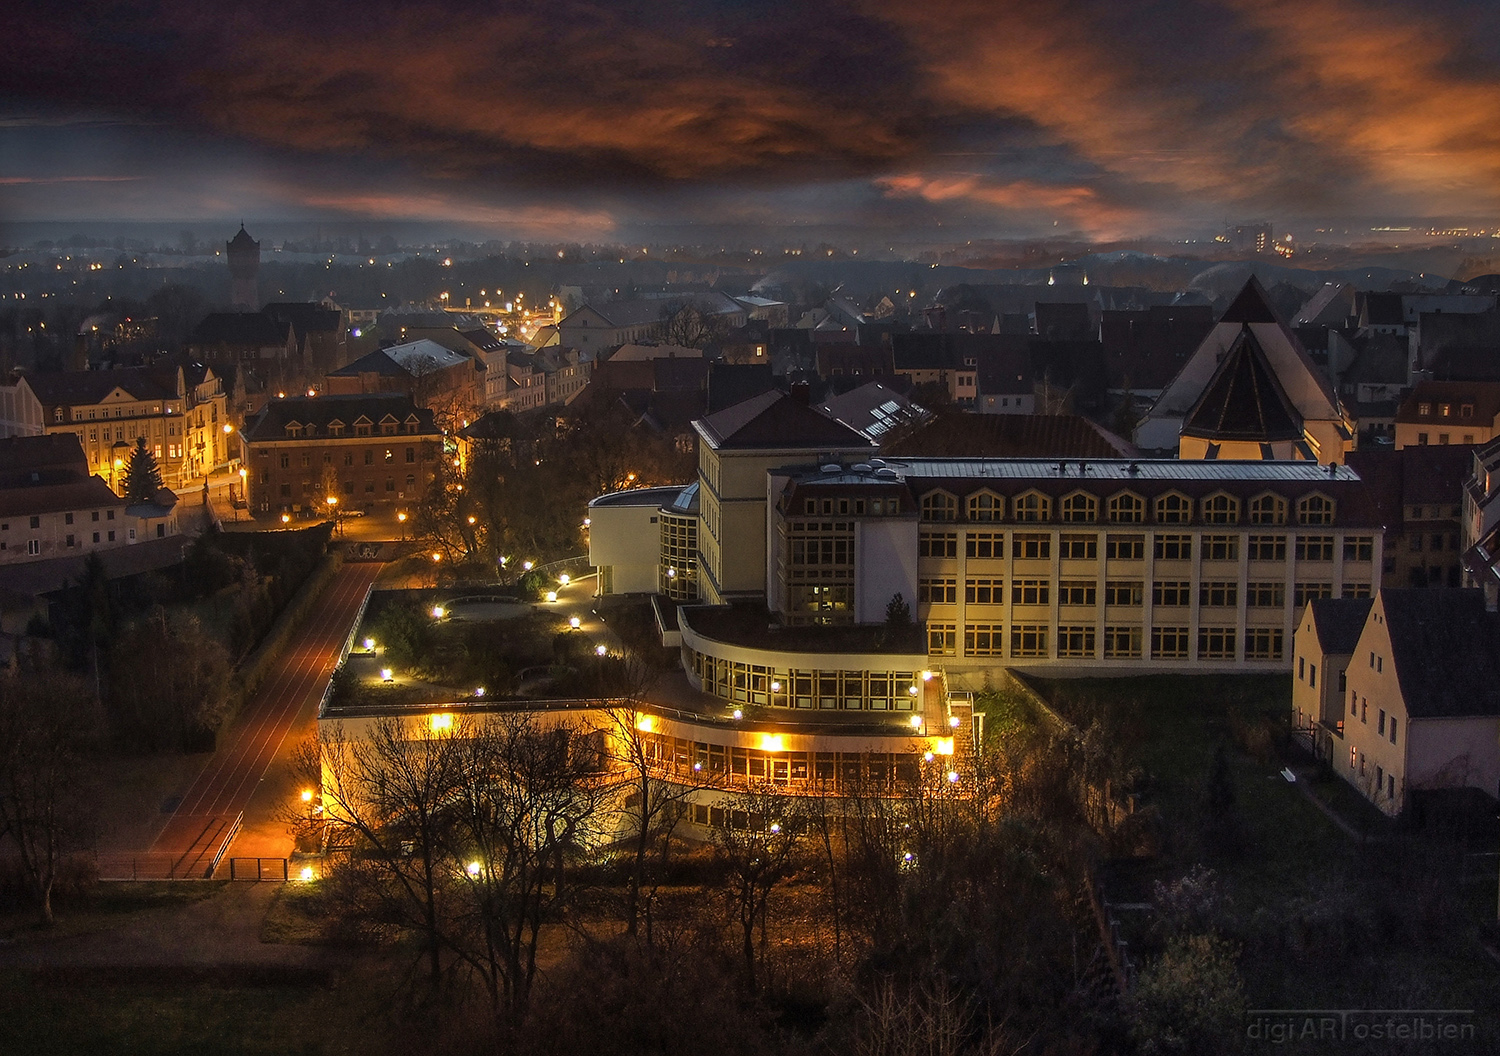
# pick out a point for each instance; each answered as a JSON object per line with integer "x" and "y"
{"x": 626, "y": 540}
{"x": 885, "y": 556}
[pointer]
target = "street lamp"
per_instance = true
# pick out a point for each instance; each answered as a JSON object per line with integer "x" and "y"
{"x": 333, "y": 511}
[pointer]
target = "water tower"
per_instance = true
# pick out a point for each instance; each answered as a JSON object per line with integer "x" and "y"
{"x": 244, "y": 268}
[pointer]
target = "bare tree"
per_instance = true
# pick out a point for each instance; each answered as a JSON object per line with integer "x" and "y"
{"x": 687, "y": 324}
{"x": 657, "y": 790}
{"x": 386, "y": 799}
{"x": 462, "y": 833}
{"x": 45, "y": 805}
{"x": 757, "y": 840}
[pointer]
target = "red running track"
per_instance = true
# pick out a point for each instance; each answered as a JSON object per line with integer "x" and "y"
{"x": 205, "y": 820}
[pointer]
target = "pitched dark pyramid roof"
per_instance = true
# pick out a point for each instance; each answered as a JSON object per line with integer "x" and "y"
{"x": 1252, "y": 305}
{"x": 1243, "y": 400}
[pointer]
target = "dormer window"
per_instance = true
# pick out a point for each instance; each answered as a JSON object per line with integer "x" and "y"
{"x": 1032, "y": 506}
{"x": 1424, "y": 409}
{"x": 939, "y": 506}
{"x": 1445, "y": 409}
{"x": 1080, "y": 508}
{"x": 1466, "y": 410}
{"x": 335, "y": 428}
{"x": 1174, "y": 508}
{"x": 1126, "y": 508}
{"x": 1221, "y": 509}
{"x": 1268, "y": 509}
{"x": 1315, "y": 509}
{"x": 986, "y": 506}
{"x": 293, "y": 430}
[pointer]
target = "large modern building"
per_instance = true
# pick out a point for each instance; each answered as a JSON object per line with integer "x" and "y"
{"x": 1039, "y": 564}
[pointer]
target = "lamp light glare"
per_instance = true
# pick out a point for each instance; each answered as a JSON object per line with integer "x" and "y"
{"x": 307, "y": 795}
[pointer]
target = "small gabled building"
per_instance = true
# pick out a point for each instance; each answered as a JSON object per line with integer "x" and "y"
{"x": 1326, "y": 635}
{"x": 1422, "y": 702}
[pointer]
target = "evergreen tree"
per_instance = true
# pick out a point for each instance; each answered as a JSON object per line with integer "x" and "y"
{"x": 142, "y": 477}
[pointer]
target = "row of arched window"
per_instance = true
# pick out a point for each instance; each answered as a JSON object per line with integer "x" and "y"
{"x": 1126, "y": 507}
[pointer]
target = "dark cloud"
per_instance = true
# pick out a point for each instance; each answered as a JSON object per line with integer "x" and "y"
{"x": 1100, "y": 116}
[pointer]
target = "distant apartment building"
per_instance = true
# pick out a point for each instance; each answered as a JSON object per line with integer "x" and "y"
{"x": 180, "y": 412}
{"x": 362, "y": 449}
{"x": 1449, "y": 412}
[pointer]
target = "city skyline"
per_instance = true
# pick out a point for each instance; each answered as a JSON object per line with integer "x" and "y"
{"x": 589, "y": 124}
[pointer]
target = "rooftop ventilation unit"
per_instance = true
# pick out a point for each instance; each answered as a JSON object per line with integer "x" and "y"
{"x": 832, "y": 467}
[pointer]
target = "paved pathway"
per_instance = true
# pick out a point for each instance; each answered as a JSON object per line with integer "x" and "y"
{"x": 205, "y": 821}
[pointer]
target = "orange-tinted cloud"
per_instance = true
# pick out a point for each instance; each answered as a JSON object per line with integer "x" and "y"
{"x": 1080, "y": 206}
{"x": 1108, "y": 118}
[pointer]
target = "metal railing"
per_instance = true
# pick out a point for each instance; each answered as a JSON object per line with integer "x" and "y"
{"x": 259, "y": 869}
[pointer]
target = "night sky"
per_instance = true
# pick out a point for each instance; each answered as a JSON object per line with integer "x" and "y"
{"x": 1107, "y": 118}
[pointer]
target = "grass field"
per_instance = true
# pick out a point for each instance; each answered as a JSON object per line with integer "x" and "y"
{"x": 1323, "y": 920}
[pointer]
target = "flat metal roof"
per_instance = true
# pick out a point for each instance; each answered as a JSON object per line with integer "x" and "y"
{"x": 1123, "y": 469}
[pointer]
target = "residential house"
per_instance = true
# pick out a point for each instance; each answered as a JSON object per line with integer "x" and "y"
{"x": 1325, "y": 639}
{"x": 1422, "y": 705}
{"x": 51, "y": 506}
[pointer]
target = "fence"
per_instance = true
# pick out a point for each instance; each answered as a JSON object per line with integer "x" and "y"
{"x": 258, "y": 869}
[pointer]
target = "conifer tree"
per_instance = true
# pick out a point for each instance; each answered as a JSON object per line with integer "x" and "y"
{"x": 142, "y": 477}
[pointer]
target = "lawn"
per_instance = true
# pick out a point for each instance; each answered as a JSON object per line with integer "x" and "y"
{"x": 1323, "y": 920}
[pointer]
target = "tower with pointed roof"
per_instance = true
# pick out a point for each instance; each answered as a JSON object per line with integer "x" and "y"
{"x": 1249, "y": 392}
{"x": 244, "y": 270}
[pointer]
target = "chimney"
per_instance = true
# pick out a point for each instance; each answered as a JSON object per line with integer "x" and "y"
{"x": 801, "y": 393}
